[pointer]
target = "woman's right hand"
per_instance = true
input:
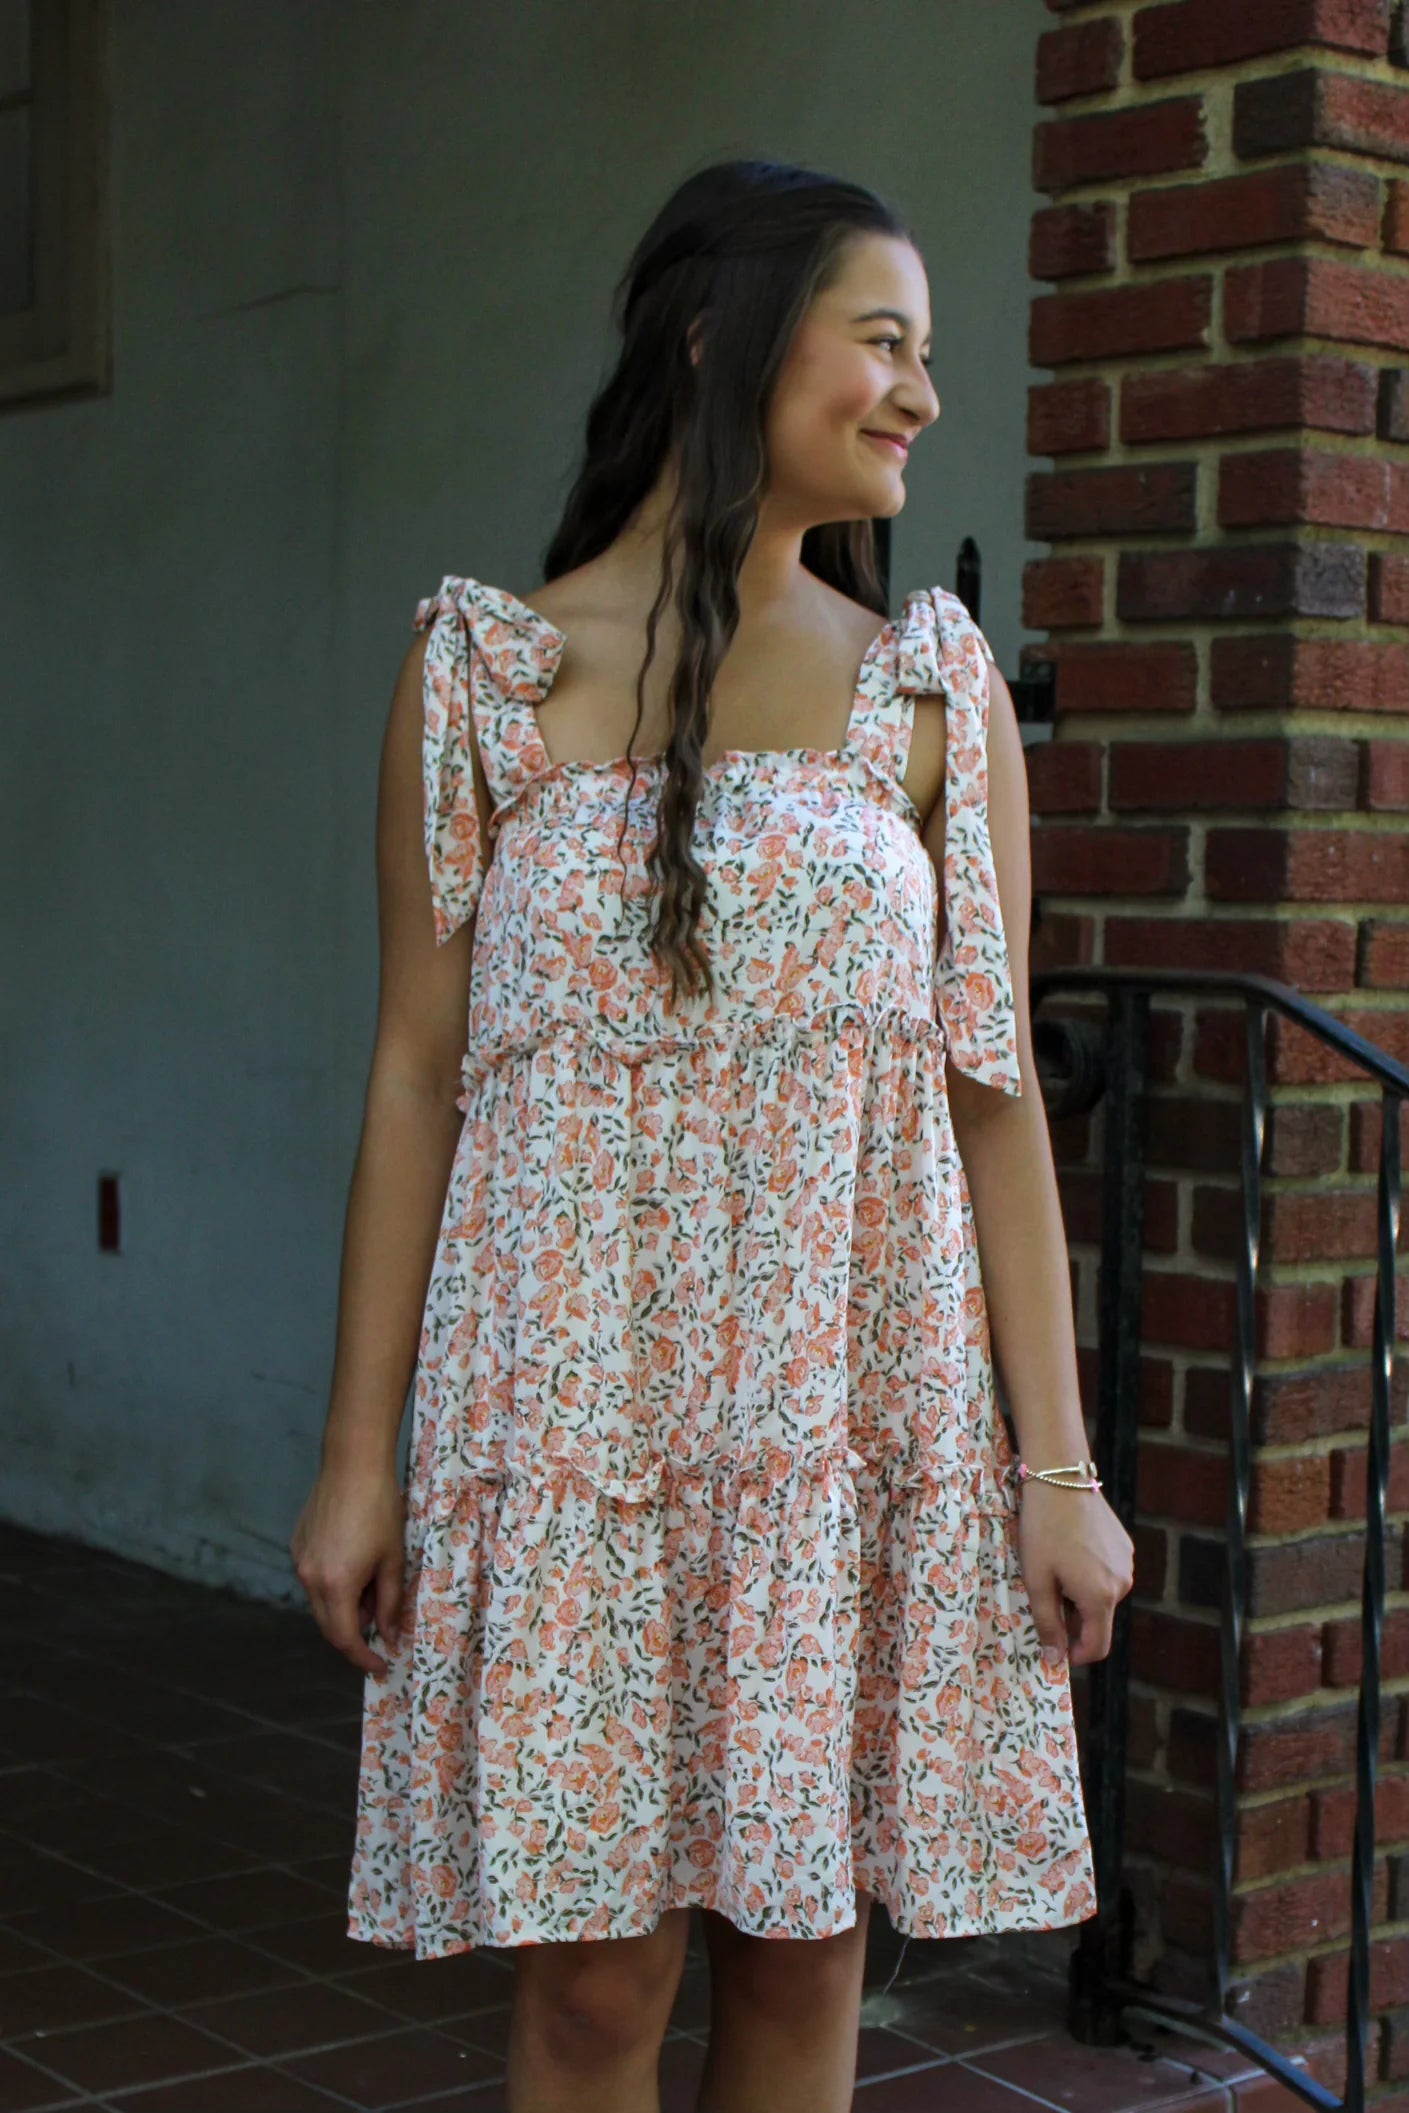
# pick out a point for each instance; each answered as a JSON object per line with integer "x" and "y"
{"x": 348, "y": 1555}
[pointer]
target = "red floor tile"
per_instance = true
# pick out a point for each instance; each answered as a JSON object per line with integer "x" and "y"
{"x": 25, "y": 2089}
{"x": 381, "y": 2073}
{"x": 246, "y": 2090}
{"x": 880, "y": 2052}
{"x": 171, "y": 1975}
{"x": 494, "y": 2098}
{"x": 105, "y": 1928}
{"x": 951, "y": 2088}
{"x": 247, "y": 1900}
{"x": 17, "y": 1954}
{"x": 485, "y": 2029}
{"x": 163, "y": 1855}
{"x": 148, "y": 2049}
{"x": 329, "y": 1872}
{"x": 425, "y": 1991}
{"x": 964, "y": 2016}
{"x": 48, "y": 1998}
{"x": 320, "y": 1945}
{"x": 29, "y": 1878}
{"x": 1058, "y": 2071}
{"x": 293, "y": 2020}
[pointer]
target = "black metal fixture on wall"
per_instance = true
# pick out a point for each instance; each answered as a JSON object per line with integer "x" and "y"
{"x": 1034, "y": 692}
{"x": 968, "y": 577}
{"x": 881, "y": 525}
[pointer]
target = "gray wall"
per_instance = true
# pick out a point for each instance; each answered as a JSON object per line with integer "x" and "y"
{"x": 362, "y": 260}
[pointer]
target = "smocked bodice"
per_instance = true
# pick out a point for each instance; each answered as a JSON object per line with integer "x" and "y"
{"x": 822, "y": 897}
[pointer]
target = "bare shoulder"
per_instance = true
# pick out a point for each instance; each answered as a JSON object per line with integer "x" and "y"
{"x": 853, "y": 622}
{"x": 1009, "y": 810}
{"x": 590, "y": 593}
{"x": 403, "y": 757}
{"x": 1004, "y": 731}
{"x": 403, "y": 730}
{"x": 554, "y": 599}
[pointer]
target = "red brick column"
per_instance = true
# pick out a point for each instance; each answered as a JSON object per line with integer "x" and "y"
{"x": 1227, "y": 504}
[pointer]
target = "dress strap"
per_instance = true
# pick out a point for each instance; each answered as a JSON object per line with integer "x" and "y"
{"x": 489, "y": 660}
{"x": 899, "y": 665}
{"x": 973, "y": 978}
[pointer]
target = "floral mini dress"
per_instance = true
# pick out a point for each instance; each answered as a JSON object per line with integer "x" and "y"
{"x": 712, "y": 1586}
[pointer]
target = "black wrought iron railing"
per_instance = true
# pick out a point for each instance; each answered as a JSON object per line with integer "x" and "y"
{"x": 1083, "y": 1065}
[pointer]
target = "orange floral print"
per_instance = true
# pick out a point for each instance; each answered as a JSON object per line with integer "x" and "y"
{"x": 712, "y": 1586}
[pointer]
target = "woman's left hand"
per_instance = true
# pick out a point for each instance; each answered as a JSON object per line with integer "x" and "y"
{"x": 1072, "y": 1546}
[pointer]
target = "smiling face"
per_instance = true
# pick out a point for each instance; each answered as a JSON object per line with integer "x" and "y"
{"x": 856, "y": 371}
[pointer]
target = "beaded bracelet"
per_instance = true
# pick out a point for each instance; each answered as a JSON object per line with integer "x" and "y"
{"x": 1086, "y": 1468}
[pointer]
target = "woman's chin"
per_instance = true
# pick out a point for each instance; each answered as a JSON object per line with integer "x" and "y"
{"x": 878, "y": 501}
{"x": 884, "y": 496}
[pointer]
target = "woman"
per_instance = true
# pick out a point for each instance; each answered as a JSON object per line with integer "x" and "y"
{"x": 710, "y": 1587}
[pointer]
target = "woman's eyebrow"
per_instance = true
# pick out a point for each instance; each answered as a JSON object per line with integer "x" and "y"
{"x": 892, "y": 315}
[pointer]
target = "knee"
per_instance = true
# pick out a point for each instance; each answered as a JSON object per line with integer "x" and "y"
{"x": 594, "y": 2019}
{"x": 589, "y": 2005}
{"x": 788, "y": 1980}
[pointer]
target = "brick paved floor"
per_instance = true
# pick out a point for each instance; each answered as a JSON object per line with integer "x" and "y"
{"x": 178, "y": 1771}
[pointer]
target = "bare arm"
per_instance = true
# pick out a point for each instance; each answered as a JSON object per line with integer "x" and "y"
{"x": 1007, "y": 1153}
{"x": 410, "y": 1123}
{"x": 1072, "y": 1546}
{"x": 347, "y": 1544}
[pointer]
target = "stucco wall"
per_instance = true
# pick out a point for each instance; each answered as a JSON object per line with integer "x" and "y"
{"x": 361, "y": 267}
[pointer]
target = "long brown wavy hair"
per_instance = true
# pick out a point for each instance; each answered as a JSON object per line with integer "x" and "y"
{"x": 746, "y": 246}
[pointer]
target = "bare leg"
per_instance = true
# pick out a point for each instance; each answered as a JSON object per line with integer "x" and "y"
{"x": 588, "y": 2020}
{"x": 784, "y": 2019}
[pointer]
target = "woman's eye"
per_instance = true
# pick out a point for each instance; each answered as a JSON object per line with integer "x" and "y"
{"x": 926, "y": 360}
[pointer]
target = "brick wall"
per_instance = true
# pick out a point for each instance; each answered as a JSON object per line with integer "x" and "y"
{"x": 1225, "y": 493}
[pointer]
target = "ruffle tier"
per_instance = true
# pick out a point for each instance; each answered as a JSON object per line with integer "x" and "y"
{"x": 752, "y": 1685}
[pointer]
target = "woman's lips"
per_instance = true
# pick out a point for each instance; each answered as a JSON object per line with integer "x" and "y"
{"x": 892, "y": 441}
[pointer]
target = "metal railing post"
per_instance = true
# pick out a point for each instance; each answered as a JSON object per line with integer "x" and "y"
{"x": 1372, "y": 1607}
{"x": 1235, "y": 1568}
{"x": 1103, "y": 1956}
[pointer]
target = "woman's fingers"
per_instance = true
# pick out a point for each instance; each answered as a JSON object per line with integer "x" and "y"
{"x": 1046, "y": 1600}
{"x": 336, "y": 1613}
{"x": 1091, "y": 1630}
{"x": 345, "y": 1634}
{"x": 386, "y": 1590}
